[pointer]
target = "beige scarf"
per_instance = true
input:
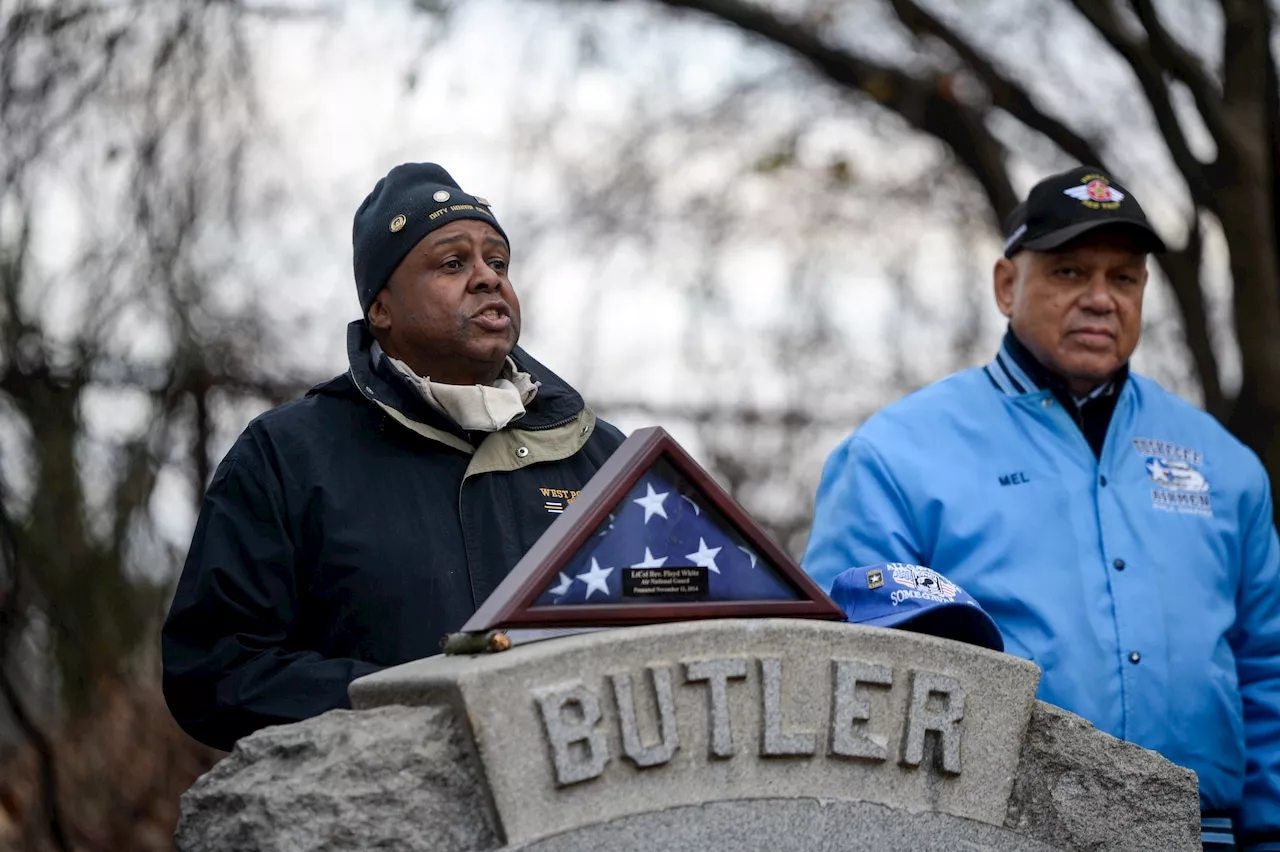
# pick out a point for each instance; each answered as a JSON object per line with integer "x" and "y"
{"x": 477, "y": 408}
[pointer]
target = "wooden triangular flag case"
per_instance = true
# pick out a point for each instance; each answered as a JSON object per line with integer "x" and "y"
{"x": 652, "y": 538}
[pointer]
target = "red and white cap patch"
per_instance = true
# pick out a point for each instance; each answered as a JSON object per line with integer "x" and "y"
{"x": 1096, "y": 190}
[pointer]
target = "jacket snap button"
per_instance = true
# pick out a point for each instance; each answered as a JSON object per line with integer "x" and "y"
{"x": 521, "y": 452}
{"x": 1119, "y": 563}
{"x": 1134, "y": 657}
{"x": 1046, "y": 402}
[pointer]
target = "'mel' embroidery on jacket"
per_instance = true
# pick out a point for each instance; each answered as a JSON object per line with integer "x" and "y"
{"x": 1176, "y": 471}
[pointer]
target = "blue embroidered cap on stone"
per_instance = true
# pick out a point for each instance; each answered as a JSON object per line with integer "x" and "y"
{"x": 912, "y": 597}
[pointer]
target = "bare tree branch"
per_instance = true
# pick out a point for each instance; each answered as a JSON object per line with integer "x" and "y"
{"x": 1182, "y": 270}
{"x": 929, "y": 103}
{"x": 1184, "y": 65}
{"x": 1246, "y": 216}
{"x": 1273, "y": 111}
{"x": 1150, "y": 76}
{"x": 1005, "y": 94}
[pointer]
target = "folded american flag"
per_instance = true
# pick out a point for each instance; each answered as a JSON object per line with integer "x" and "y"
{"x": 663, "y": 542}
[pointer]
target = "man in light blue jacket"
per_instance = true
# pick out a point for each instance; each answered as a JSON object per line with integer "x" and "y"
{"x": 1121, "y": 538}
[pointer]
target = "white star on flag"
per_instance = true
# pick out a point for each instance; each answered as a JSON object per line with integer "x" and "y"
{"x": 705, "y": 557}
{"x": 596, "y": 579}
{"x": 565, "y": 583}
{"x": 650, "y": 561}
{"x": 652, "y": 503}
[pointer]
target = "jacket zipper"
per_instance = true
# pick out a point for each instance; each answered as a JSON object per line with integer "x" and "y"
{"x": 564, "y": 422}
{"x": 471, "y": 579}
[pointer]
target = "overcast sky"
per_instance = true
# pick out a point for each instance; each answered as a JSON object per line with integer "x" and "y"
{"x": 372, "y": 84}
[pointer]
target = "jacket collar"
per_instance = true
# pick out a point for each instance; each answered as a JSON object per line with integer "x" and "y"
{"x": 555, "y": 404}
{"x": 1015, "y": 371}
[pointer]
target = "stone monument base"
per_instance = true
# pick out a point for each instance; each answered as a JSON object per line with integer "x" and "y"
{"x": 720, "y": 735}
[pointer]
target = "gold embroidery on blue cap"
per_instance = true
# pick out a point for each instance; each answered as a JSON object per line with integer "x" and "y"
{"x": 875, "y": 579}
{"x": 398, "y": 223}
{"x": 441, "y": 196}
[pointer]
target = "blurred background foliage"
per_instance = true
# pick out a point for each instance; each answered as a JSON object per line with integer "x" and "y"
{"x": 808, "y": 144}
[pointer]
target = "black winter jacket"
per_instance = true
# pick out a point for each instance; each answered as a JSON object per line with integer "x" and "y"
{"x": 350, "y": 530}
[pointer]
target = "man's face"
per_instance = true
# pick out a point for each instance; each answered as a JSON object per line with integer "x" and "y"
{"x": 449, "y": 310}
{"x": 1077, "y": 308}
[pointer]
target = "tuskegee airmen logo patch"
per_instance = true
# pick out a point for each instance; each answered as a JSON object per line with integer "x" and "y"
{"x": 1176, "y": 472}
{"x": 1096, "y": 192}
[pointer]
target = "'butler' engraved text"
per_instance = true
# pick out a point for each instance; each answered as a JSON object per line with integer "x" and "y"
{"x": 635, "y": 750}
{"x": 930, "y": 726}
{"x": 717, "y": 673}
{"x": 848, "y": 708}
{"x": 937, "y": 706}
{"x": 570, "y": 713}
{"x": 773, "y": 741}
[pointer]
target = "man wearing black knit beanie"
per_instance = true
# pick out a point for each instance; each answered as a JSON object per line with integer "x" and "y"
{"x": 351, "y": 529}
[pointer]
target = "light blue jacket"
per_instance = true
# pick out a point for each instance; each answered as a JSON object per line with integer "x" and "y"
{"x": 1146, "y": 584}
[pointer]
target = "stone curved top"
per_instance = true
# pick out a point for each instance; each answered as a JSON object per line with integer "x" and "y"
{"x": 603, "y": 728}
{"x": 620, "y": 721}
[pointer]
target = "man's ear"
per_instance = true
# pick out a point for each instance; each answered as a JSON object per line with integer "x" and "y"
{"x": 379, "y": 315}
{"x": 1004, "y": 277}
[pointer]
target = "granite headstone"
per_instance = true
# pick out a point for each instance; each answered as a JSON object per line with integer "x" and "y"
{"x": 715, "y": 735}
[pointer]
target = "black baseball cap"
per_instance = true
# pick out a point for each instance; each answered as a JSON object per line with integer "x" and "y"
{"x": 1063, "y": 206}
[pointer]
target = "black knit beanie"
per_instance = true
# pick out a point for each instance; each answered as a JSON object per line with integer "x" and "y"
{"x": 413, "y": 200}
